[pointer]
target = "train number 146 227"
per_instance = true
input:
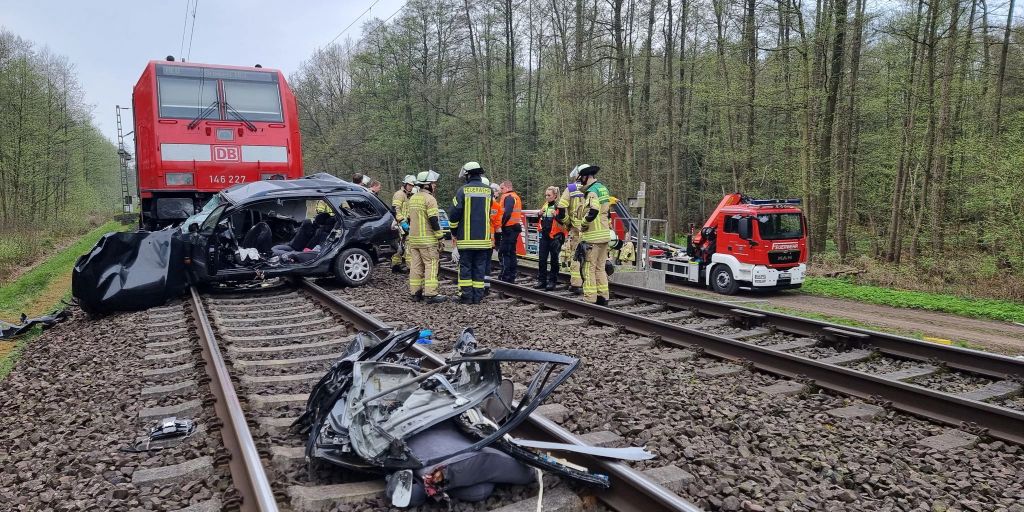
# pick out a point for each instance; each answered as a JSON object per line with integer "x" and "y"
{"x": 230, "y": 179}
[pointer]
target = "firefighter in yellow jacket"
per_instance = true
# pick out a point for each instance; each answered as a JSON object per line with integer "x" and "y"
{"x": 400, "y": 208}
{"x": 569, "y": 205}
{"x": 424, "y": 233}
{"x": 596, "y": 233}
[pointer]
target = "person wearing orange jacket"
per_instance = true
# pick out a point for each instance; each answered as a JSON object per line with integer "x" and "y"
{"x": 511, "y": 227}
{"x": 495, "y": 232}
{"x": 551, "y": 236}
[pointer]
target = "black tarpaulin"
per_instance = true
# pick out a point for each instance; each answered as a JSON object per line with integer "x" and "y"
{"x": 130, "y": 271}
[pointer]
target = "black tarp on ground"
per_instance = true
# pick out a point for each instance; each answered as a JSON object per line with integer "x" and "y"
{"x": 130, "y": 271}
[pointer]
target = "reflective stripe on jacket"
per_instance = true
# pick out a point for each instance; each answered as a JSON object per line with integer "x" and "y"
{"x": 469, "y": 216}
{"x": 570, "y": 201}
{"x": 400, "y": 202}
{"x": 515, "y": 216}
{"x": 597, "y": 230}
{"x": 421, "y": 208}
{"x": 547, "y": 215}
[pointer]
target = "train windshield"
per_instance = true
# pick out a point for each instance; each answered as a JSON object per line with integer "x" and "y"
{"x": 780, "y": 226}
{"x": 188, "y": 97}
{"x": 187, "y": 92}
{"x": 256, "y": 101}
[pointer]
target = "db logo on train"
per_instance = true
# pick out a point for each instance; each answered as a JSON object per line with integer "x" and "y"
{"x": 226, "y": 154}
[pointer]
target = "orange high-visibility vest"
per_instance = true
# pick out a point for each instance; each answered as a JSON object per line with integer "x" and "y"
{"x": 515, "y": 219}
{"x": 496, "y": 208}
{"x": 556, "y": 227}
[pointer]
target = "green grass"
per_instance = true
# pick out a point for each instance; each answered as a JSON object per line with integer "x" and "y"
{"x": 22, "y": 293}
{"x": 39, "y": 291}
{"x": 992, "y": 309}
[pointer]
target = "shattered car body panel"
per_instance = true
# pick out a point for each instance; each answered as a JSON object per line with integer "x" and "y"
{"x": 307, "y": 227}
{"x": 129, "y": 271}
{"x": 378, "y": 410}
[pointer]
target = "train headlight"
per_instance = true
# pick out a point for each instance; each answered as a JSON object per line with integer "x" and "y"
{"x": 179, "y": 178}
{"x": 271, "y": 176}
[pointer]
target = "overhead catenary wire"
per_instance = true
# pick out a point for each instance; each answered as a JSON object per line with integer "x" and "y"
{"x": 195, "y": 5}
{"x": 375, "y": 2}
{"x": 184, "y": 28}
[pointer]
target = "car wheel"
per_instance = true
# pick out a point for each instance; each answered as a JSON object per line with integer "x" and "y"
{"x": 723, "y": 281}
{"x": 353, "y": 267}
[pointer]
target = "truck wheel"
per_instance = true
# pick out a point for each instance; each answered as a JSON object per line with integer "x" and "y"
{"x": 723, "y": 281}
{"x": 353, "y": 267}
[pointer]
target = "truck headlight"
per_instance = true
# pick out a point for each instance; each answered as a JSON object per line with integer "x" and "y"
{"x": 179, "y": 178}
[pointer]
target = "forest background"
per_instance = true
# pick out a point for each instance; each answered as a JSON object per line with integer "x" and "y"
{"x": 898, "y": 123}
{"x": 59, "y": 175}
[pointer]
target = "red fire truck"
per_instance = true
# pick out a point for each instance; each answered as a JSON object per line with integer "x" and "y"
{"x": 752, "y": 243}
{"x": 201, "y": 128}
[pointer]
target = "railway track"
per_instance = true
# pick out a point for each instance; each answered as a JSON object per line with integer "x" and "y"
{"x": 264, "y": 350}
{"x": 976, "y": 391}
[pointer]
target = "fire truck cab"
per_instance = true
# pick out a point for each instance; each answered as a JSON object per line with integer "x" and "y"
{"x": 750, "y": 243}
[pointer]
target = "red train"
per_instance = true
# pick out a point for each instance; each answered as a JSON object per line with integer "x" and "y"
{"x": 201, "y": 128}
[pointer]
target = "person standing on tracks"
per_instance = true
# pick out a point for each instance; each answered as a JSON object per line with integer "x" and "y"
{"x": 596, "y": 233}
{"x": 469, "y": 218}
{"x": 400, "y": 208}
{"x": 511, "y": 227}
{"x": 569, "y": 206}
{"x": 495, "y": 233}
{"x": 424, "y": 234}
{"x": 551, "y": 237}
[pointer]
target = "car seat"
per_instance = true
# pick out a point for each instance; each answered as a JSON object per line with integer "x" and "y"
{"x": 299, "y": 241}
{"x": 258, "y": 237}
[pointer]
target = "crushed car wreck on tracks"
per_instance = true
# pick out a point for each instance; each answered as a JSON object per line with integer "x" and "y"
{"x": 315, "y": 226}
{"x": 441, "y": 432}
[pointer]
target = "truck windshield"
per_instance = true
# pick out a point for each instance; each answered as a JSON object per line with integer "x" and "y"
{"x": 779, "y": 226}
{"x": 256, "y": 101}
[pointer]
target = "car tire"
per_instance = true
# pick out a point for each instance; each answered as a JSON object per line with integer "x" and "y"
{"x": 353, "y": 267}
{"x": 722, "y": 280}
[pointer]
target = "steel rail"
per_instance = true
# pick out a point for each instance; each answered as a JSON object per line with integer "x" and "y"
{"x": 638, "y": 493}
{"x": 247, "y": 472}
{"x": 973, "y": 361}
{"x": 1000, "y": 422}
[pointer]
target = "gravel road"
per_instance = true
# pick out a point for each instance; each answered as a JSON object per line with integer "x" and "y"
{"x": 1002, "y": 337}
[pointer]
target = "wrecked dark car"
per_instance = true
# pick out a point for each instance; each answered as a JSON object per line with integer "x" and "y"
{"x": 316, "y": 226}
{"x": 441, "y": 433}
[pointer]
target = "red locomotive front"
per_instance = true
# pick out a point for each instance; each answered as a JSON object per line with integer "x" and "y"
{"x": 201, "y": 128}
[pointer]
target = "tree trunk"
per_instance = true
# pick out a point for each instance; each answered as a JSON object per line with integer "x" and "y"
{"x": 938, "y": 196}
{"x": 1001, "y": 76}
{"x": 846, "y": 183}
{"x": 824, "y": 161}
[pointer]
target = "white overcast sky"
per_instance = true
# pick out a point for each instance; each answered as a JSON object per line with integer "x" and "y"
{"x": 110, "y": 41}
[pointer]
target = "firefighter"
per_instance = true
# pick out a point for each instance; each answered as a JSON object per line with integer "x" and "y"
{"x": 594, "y": 232}
{"x": 511, "y": 226}
{"x": 400, "y": 208}
{"x": 424, "y": 234}
{"x": 551, "y": 236}
{"x": 569, "y": 205}
{"x": 469, "y": 218}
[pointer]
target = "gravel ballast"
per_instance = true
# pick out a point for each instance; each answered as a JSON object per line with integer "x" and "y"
{"x": 72, "y": 403}
{"x": 747, "y": 450}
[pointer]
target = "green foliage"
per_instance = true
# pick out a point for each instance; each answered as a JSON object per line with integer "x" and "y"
{"x": 16, "y": 296}
{"x": 55, "y": 166}
{"x": 944, "y": 303}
